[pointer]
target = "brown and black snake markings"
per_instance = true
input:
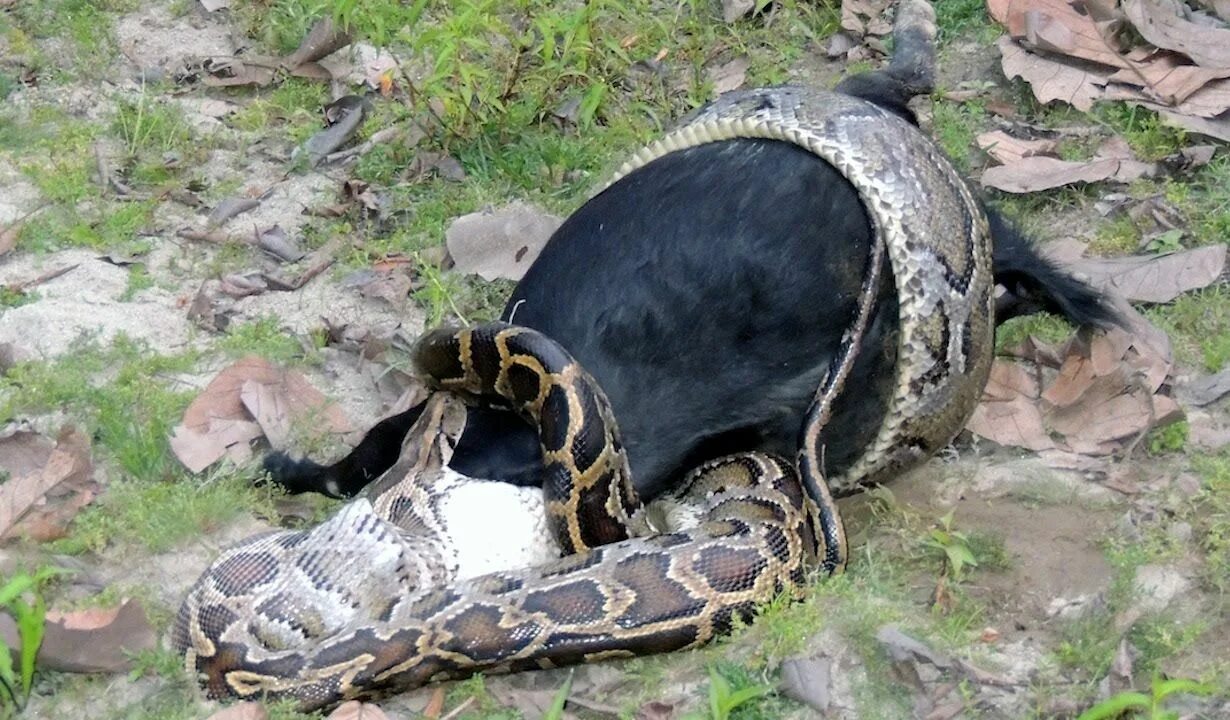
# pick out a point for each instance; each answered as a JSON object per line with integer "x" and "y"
{"x": 372, "y": 601}
{"x": 861, "y": 364}
{"x": 367, "y": 603}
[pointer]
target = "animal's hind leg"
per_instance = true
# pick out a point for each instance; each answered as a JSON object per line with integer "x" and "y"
{"x": 373, "y": 455}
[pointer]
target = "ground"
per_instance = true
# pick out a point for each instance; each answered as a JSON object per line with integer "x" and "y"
{"x": 986, "y": 584}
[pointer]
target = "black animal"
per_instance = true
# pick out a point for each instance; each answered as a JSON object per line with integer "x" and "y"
{"x": 707, "y": 292}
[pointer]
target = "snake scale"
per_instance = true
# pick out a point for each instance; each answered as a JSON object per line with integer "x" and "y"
{"x": 374, "y": 600}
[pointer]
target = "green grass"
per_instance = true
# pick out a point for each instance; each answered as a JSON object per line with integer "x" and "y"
{"x": 84, "y": 31}
{"x": 958, "y": 18}
{"x": 120, "y": 393}
{"x": 157, "y": 140}
{"x": 264, "y": 337}
{"x": 1211, "y": 516}
{"x": 1116, "y": 237}
{"x": 1149, "y": 138}
{"x": 1199, "y": 327}
{"x": 159, "y": 515}
{"x": 956, "y": 127}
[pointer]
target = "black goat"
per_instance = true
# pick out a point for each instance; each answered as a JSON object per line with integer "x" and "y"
{"x": 707, "y": 292}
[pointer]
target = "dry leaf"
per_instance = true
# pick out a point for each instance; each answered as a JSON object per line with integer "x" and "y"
{"x": 1016, "y": 422}
{"x": 1007, "y": 149}
{"x": 807, "y": 680}
{"x": 1156, "y": 278}
{"x": 499, "y": 243}
{"x": 435, "y": 705}
{"x": 1171, "y": 80}
{"x": 230, "y": 72}
{"x": 247, "y": 710}
{"x": 218, "y": 424}
{"x": 1051, "y": 79}
{"x": 323, "y": 39}
{"x": 729, "y": 76}
{"x": 1205, "y": 390}
{"x": 732, "y": 10}
{"x": 1102, "y": 399}
{"x": 274, "y": 241}
{"x": 229, "y": 208}
{"x": 96, "y": 640}
{"x": 355, "y": 710}
{"x": 8, "y": 237}
{"x": 47, "y": 485}
{"x": 1161, "y": 23}
{"x": 1030, "y": 174}
{"x": 1217, "y": 127}
{"x": 1056, "y": 26}
{"x": 865, "y": 17}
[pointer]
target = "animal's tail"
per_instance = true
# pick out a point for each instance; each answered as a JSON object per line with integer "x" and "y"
{"x": 1033, "y": 282}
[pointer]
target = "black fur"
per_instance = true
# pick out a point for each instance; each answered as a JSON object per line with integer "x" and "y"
{"x": 706, "y": 293}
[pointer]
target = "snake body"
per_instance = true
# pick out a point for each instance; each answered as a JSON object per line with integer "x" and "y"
{"x": 374, "y": 600}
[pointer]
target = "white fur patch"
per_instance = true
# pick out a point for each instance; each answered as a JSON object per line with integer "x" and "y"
{"x": 496, "y": 526}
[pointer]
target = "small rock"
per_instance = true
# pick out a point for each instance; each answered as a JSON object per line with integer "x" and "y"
{"x": 1181, "y": 532}
{"x": 1158, "y": 585}
{"x": 807, "y": 680}
{"x": 1066, "y": 608}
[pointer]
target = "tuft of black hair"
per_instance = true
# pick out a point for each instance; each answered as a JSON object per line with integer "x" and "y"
{"x": 1035, "y": 283}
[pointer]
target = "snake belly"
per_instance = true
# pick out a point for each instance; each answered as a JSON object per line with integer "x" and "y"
{"x": 370, "y": 602}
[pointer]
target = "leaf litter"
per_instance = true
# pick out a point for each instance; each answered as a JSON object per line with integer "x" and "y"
{"x": 48, "y": 482}
{"x": 1144, "y": 52}
{"x": 245, "y": 401}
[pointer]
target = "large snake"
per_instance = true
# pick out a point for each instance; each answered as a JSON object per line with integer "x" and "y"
{"x": 376, "y": 599}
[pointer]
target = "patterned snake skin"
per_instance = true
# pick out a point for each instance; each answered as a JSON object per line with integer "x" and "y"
{"x": 374, "y": 600}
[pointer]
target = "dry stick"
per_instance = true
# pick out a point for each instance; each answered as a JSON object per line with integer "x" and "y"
{"x": 452, "y": 714}
{"x": 49, "y": 275}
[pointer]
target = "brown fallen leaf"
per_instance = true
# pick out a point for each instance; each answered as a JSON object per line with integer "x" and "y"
{"x": 274, "y": 241}
{"x": 1161, "y": 22}
{"x": 8, "y": 237}
{"x": 1050, "y": 79}
{"x": 1216, "y": 127}
{"x": 1155, "y": 278}
{"x": 232, "y": 72}
{"x": 1114, "y": 161}
{"x": 1031, "y": 174}
{"x": 355, "y": 710}
{"x": 246, "y": 710}
{"x": 1007, "y": 149}
{"x": 435, "y": 706}
{"x": 229, "y": 207}
{"x": 865, "y": 17}
{"x": 1205, "y": 390}
{"x": 324, "y": 39}
{"x": 807, "y": 680}
{"x": 1168, "y": 76}
{"x": 1015, "y": 421}
{"x": 219, "y": 424}
{"x": 1105, "y": 394}
{"x": 1058, "y": 27}
{"x": 427, "y": 162}
{"x": 47, "y": 484}
{"x": 729, "y": 76}
{"x": 499, "y": 243}
{"x": 96, "y": 640}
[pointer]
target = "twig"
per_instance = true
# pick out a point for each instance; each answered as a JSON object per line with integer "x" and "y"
{"x": 455, "y": 712}
{"x": 49, "y": 275}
